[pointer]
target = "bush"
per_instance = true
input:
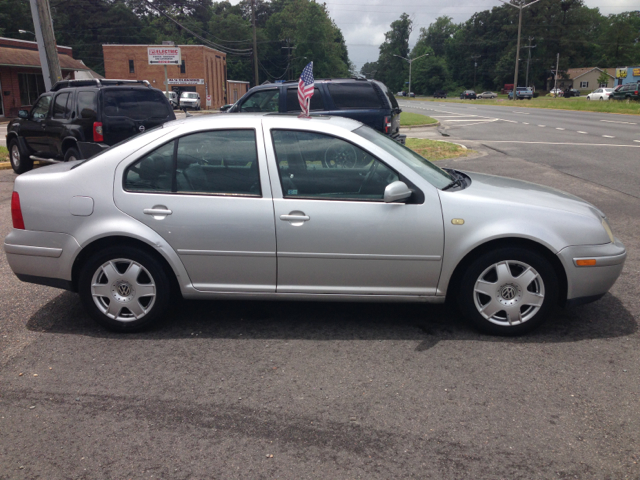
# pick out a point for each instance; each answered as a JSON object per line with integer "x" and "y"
{"x": 536, "y": 94}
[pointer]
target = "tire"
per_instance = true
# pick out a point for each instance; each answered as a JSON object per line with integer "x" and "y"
{"x": 72, "y": 154}
{"x": 124, "y": 289}
{"x": 19, "y": 162}
{"x": 508, "y": 291}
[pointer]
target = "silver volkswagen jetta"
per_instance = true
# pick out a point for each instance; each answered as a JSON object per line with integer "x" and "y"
{"x": 280, "y": 207}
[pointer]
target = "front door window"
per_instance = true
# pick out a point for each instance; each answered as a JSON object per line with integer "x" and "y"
{"x": 41, "y": 108}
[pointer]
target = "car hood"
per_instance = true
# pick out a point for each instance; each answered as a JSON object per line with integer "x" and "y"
{"x": 518, "y": 192}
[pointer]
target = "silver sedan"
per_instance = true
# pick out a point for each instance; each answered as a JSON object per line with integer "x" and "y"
{"x": 280, "y": 207}
{"x": 487, "y": 95}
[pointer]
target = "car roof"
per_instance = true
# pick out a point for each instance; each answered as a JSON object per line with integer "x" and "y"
{"x": 288, "y": 120}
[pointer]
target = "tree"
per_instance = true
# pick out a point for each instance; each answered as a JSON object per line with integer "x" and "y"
{"x": 394, "y": 71}
{"x": 438, "y": 34}
{"x": 604, "y": 78}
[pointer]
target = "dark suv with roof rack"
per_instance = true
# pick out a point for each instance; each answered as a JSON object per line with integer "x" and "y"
{"x": 79, "y": 118}
{"x": 367, "y": 101}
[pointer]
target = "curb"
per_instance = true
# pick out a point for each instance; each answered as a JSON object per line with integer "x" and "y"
{"x": 427, "y": 125}
{"x": 5, "y": 166}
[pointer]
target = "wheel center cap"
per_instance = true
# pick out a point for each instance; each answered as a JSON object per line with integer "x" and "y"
{"x": 509, "y": 294}
{"x": 122, "y": 291}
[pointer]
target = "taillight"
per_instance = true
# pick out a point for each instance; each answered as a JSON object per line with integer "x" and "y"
{"x": 387, "y": 125}
{"x": 97, "y": 132}
{"x": 16, "y": 211}
{"x": 636, "y": 92}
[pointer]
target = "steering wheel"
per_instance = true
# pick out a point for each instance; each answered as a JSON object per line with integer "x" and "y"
{"x": 369, "y": 176}
{"x": 341, "y": 155}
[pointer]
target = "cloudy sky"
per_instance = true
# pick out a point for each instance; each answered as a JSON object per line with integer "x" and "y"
{"x": 364, "y": 23}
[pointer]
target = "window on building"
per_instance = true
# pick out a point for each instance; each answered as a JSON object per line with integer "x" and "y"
{"x": 183, "y": 67}
{"x": 132, "y": 68}
{"x": 604, "y": 85}
{"x": 31, "y": 87}
{"x": 584, "y": 84}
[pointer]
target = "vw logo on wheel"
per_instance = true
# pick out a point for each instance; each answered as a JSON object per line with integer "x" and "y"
{"x": 508, "y": 292}
{"x": 124, "y": 290}
{"x": 141, "y": 128}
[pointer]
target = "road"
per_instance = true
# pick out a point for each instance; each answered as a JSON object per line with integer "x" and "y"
{"x": 329, "y": 390}
{"x": 602, "y": 148}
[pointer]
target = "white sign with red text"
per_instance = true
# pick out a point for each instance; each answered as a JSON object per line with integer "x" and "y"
{"x": 164, "y": 55}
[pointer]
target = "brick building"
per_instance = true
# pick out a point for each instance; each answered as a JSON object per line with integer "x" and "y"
{"x": 203, "y": 70}
{"x": 21, "y": 81}
{"x": 235, "y": 90}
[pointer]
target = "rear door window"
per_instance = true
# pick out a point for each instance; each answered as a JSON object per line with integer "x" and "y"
{"x": 354, "y": 95}
{"x": 138, "y": 104}
{"x": 60, "y": 109}
{"x": 293, "y": 105}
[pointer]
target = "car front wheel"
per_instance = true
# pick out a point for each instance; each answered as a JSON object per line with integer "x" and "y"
{"x": 19, "y": 162}
{"x": 508, "y": 291}
{"x": 124, "y": 289}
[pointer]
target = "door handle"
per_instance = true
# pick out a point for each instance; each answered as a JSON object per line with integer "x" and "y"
{"x": 294, "y": 218}
{"x": 157, "y": 211}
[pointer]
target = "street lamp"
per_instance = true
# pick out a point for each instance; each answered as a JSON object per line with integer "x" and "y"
{"x": 519, "y": 7}
{"x": 27, "y": 31}
{"x": 410, "y": 60}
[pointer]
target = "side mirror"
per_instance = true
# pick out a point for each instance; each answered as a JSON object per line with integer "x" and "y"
{"x": 396, "y": 191}
{"x": 23, "y": 114}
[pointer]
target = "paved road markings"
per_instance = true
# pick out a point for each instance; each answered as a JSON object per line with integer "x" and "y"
{"x": 584, "y": 133}
{"x": 608, "y": 136}
{"x": 558, "y": 128}
{"x": 523, "y": 113}
{"x": 613, "y": 121}
{"x": 525, "y": 123}
{"x": 505, "y": 120}
{"x": 542, "y": 126}
{"x": 556, "y": 143}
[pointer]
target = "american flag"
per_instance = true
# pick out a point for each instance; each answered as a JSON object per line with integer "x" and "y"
{"x": 305, "y": 89}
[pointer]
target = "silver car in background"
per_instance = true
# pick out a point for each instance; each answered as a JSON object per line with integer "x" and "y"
{"x": 256, "y": 206}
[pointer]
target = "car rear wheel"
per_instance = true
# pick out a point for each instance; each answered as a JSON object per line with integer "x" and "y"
{"x": 72, "y": 154}
{"x": 124, "y": 289}
{"x": 19, "y": 162}
{"x": 509, "y": 291}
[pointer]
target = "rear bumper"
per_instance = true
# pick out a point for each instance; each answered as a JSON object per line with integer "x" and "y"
{"x": 586, "y": 284}
{"x": 41, "y": 257}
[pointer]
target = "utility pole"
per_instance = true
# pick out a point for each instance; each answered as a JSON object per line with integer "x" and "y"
{"x": 47, "y": 48}
{"x": 411, "y": 60}
{"x": 529, "y": 60}
{"x": 255, "y": 42}
{"x": 475, "y": 66}
{"x": 288, "y": 48}
{"x": 519, "y": 7}
{"x": 555, "y": 81}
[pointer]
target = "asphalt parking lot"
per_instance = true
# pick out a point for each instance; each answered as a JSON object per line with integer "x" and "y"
{"x": 326, "y": 390}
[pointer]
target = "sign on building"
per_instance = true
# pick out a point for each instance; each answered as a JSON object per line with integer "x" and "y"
{"x": 621, "y": 72}
{"x": 636, "y": 72}
{"x": 164, "y": 55}
{"x": 186, "y": 81}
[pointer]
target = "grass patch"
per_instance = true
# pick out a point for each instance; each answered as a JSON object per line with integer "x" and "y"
{"x": 4, "y": 154}
{"x": 573, "y": 103}
{"x": 408, "y": 119}
{"x": 435, "y": 150}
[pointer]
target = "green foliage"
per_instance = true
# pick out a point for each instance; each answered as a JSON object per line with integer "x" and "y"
{"x": 392, "y": 70}
{"x": 86, "y": 25}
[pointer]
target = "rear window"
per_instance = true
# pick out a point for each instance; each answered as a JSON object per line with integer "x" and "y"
{"x": 137, "y": 104}
{"x": 87, "y": 104}
{"x": 354, "y": 95}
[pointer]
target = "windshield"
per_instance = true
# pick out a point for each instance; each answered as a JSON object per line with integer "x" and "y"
{"x": 427, "y": 170}
{"x": 189, "y": 95}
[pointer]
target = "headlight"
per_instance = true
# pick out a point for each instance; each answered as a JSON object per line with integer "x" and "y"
{"x": 607, "y": 229}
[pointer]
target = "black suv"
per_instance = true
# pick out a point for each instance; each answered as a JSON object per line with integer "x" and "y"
{"x": 367, "y": 101}
{"x": 439, "y": 94}
{"x": 468, "y": 94}
{"x": 79, "y": 118}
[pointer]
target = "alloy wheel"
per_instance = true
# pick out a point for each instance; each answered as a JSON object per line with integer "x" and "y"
{"x": 509, "y": 293}
{"x": 123, "y": 290}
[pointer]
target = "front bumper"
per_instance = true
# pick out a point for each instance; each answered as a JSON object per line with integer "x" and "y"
{"x": 41, "y": 257}
{"x": 588, "y": 283}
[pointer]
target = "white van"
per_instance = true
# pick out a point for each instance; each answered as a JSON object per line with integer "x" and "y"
{"x": 190, "y": 100}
